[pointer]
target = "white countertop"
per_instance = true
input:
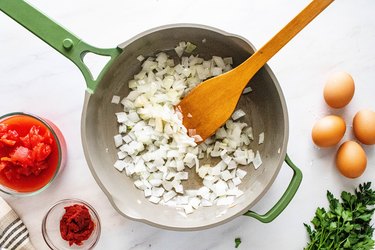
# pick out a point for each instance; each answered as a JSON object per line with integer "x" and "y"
{"x": 37, "y": 79}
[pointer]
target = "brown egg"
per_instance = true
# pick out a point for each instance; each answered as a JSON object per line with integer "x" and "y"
{"x": 351, "y": 159}
{"x": 339, "y": 90}
{"x": 364, "y": 126}
{"x": 328, "y": 131}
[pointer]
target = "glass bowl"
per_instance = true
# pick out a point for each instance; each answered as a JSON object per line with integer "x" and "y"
{"x": 51, "y": 226}
{"x": 20, "y": 121}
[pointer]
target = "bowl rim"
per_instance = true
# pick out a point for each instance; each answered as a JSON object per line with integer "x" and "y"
{"x": 60, "y": 146}
{"x": 47, "y": 239}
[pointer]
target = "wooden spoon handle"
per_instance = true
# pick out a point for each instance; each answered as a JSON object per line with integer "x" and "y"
{"x": 260, "y": 57}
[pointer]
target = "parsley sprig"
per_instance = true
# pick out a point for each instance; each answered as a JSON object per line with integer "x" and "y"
{"x": 346, "y": 225}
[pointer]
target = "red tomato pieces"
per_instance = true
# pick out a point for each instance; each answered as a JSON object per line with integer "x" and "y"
{"x": 7, "y": 137}
{"x": 27, "y": 155}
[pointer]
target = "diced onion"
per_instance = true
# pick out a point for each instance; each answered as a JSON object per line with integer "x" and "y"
{"x": 257, "y": 160}
{"x": 238, "y": 114}
{"x": 119, "y": 165}
{"x": 140, "y": 58}
{"x": 247, "y": 90}
{"x": 190, "y": 47}
{"x": 155, "y": 148}
{"x": 118, "y": 140}
{"x": 115, "y": 99}
{"x": 261, "y": 138}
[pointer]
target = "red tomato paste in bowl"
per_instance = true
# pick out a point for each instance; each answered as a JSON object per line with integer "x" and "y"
{"x": 71, "y": 224}
{"x": 76, "y": 224}
{"x": 32, "y": 152}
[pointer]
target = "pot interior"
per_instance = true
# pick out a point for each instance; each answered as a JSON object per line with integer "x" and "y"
{"x": 265, "y": 108}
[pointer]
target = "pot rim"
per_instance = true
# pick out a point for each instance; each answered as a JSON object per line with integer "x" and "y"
{"x": 225, "y": 219}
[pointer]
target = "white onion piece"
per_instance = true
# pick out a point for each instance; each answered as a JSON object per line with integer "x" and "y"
{"x": 240, "y": 173}
{"x": 119, "y": 165}
{"x": 169, "y": 195}
{"x": 236, "y": 181}
{"x": 257, "y": 160}
{"x": 247, "y": 90}
{"x": 121, "y": 117}
{"x": 219, "y": 61}
{"x": 188, "y": 209}
{"x": 121, "y": 155}
{"x": 118, "y": 140}
{"x": 238, "y": 114}
{"x": 154, "y": 199}
{"x": 261, "y": 138}
{"x": 140, "y": 58}
{"x": 115, "y": 99}
{"x": 215, "y": 71}
{"x": 195, "y": 202}
{"x": 147, "y": 192}
{"x": 179, "y": 50}
{"x": 249, "y": 133}
{"x": 140, "y": 185}
{"x": 190, "y": 47}
{"x": 226, "y": 175}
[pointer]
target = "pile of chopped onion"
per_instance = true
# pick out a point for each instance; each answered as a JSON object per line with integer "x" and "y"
{"x": 155, "y": 149}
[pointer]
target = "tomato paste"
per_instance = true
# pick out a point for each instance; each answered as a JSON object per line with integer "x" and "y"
{"x": 28, "y": 153}
{"x": 76, "y": 224}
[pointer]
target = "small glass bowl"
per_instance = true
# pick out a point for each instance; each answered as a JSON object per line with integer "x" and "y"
{"x": 61, "y": 147}
{"x": 51, "y": 226}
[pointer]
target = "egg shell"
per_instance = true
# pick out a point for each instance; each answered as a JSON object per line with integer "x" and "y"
{"x": 364, "y": 126}
{"x": 339, "y": 90}
{"x": 351, "y": 159}
{"x": 328, "y": 131}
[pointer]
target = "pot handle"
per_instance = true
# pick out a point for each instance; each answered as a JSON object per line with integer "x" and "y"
{"x": 285, "y": 199}
{"x": 58, "y": 37}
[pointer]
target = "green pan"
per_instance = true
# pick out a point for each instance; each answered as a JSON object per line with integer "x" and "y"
{"x": 266, "y": 105}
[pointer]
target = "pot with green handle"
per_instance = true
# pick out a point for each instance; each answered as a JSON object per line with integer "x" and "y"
{"x": 265, "y": 103}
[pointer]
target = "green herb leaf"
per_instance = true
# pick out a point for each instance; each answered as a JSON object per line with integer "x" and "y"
{"x": 237, "y": 242}
{"x": 346, "y": 225}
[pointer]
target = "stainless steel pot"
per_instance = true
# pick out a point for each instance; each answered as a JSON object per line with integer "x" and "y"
{"x": 266, "y": 106}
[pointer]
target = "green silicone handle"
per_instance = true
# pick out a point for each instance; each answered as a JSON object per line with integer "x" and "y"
{"x": 285, "y": 199}
{"x": 58, "y": 37}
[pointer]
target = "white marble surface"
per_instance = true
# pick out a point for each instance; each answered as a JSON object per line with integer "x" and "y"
{"x": 35, "y": 78}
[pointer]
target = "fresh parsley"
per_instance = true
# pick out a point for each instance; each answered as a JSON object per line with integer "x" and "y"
{"x": 346, "y": 225}
{"x": 237, "y": 242}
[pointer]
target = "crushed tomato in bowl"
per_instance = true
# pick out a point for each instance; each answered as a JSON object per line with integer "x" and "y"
{"x": 29, "y": 154}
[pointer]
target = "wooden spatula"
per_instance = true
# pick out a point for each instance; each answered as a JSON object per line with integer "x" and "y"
{"x": 210, "y": 104}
